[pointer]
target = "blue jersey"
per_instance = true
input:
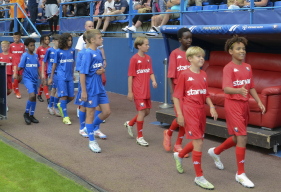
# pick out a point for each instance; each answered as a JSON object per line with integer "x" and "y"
{"x": 65, "y": 61}
{"x": 30, "y": 64}
{"x": 91, "y": 62}
{"x": 79, "y": 59}
{"x": 49, "y": 57}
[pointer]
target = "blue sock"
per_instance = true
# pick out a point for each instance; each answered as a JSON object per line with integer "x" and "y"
{"x": 56, "y": 101}
{"x": 90, "y": 130}
{"x": 68, "y": 101}
{"x": 33, "y": 105}
{"x": 28, "y": 106}
{"x": 97, "y": 121}
{"x": 51, "y": 103}
{"x": 96, "y": 115}
{"x": 82, "y": 118}
{"x": 63, "y": 105}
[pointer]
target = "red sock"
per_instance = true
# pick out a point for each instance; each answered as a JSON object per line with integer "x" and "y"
{"x": 16, "y": 85}
{"x": 173, "y": 127}
{"x": 139, "y": 127}
{"x": 45, "y": 88}
{"x": 228, "y": 143}
{"x": 240, "y": 157}
{"x": 180, "y": 135}
{"x": 187, "y": 149}
{"x": 196, "y": 158}
{"x": 8, "y": 93}
{"x": 40, "y": 90}
{"x": 133, "y": 121}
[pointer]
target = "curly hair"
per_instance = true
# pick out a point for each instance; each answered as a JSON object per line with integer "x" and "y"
{"x": 42, "y": 38}
{"x": 181, "y": 31}
{"x": 235, "y": 39}
{"x": 29, "y": 40}
{"x": 63, "y": 40}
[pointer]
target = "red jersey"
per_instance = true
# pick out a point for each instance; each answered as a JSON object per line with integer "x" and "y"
{"x": 41, "y": 51}
{"x": 17, "y": 50}
{"x": 192, "y": 88}
{"x": 140, "y": 68}
{"x": 177, "y": 64}
{"x": 9, "y": 60}
{"x": 235, "y": 76}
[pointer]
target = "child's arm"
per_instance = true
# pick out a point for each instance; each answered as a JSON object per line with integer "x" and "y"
{"x": 212, "y": 108}
{"x": 254, "y": 94}
{"x": 83, "y": 87}
{"x": 180, "y": 118}
{"x": 15, "y": 76}
{"x": 52, "y": 74}
{"x": 170, "y": 81}
{"x": 73, "y": 71}
{"x": 130, "y": 88}
{"x": 42, "y": 72}
{"x": 154, "y": 84}
{"x": 39, "y": 73}
{"x": 242, "y": 91}
{"x": 100, "y": 71}
{"x": 103, "y": 57}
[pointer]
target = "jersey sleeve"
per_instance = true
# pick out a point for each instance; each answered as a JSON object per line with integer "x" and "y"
{"x": 172, "y": 66}
{"x": 85, "y": 63}
{"x": 132, "y": 67}
{"x": 227, "y": 77}
{"x": 150, "y": 66}
{"x": 73, "y": 55}
{"x": 37, "y": 60}
{"x": 252, "y": 80}
{"x": 57, "y": 57}
{"x": 180, "y": 87}
{"x": 207, "y": 87}
{"x": 46, "y": 58}
{"x": 22, "y": 61}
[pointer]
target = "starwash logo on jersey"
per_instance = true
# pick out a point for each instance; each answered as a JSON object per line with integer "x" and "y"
{"x": 241, "y": 82}
{"x": 66, "y": 60}
{"x": 196, "y": 92}
{"x": 143, "y": 70}
{"x": 17, "y": 51}
{"x": 31, "y": 65}
{"x": 182, "y": 67}
{"x": 97, "y": 65}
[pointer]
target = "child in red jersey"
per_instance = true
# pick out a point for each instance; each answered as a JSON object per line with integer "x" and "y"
{"x": 140, "y": 71}
{"x": 192, "y": 89}
{"x": 17, "y": 49}
{"x": 177, "y": 64}
{"x": 237, "y": 84}
{"x": 41, "y": 51}
{"x": 7, "y": 57}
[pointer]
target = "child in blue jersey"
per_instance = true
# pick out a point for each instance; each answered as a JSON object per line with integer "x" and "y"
{"x": 92, "y": 91}
{"x": 64, "y": 64}
{"x": 49, "y": 59}
{"x": 30, "y": 64}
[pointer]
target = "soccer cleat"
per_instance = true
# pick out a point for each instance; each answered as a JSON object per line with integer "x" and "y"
{"x": 130, "y": 131}
{"x": 48, "y": 101}
{"x": 243, "y": 180}
{"x": 57, "y": 112}
{"x": 142, "y": 142}
{"x": 50, "y": 110}
{"x": 216, "y": 158}
{"x": 132, "y": 29}
{"x": 83, "y": 132}
{"x": 40, "y": 98}
{"x": 32, "y": 119}
{"x": 157, "y": 29}
{"x": 125, "y": 29}
{"x": 167, "y": 141}
{"x": 99, "y": 134}
{"x": 178, "y": 162}
{"x": 202, "y": 182}
{"x": 94, "y": 146}
{"x": 77, "y": 110}
{"x": 151, "y": 32}
{"x": 18, "y": 95}
{"x": 177, "y": 148}
{"x": 103, "y": 121}
{"x": 66, "y": 121}
{"x": 26, "y": 118}
{"x": 61, "y": 113}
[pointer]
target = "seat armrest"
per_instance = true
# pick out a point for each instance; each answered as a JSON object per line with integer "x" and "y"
{"x": 275, "y": 90}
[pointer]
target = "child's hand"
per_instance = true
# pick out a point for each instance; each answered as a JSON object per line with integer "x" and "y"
{"x": 100, "y": 71}
{"x": 130, "y": 96}
{"x": 180, "y": 120}
{"x": 84, "y": 96}
{"x": 74, "y": 78}
{"x": 243, "y": 91}
{"x": 214, "y": 113}
{"x": 154, "y": 84}
{"x": 50, "y": 81}
{"x": 15, "y": 76}
{"x": 104, "y": 63}
{"x": 261, "y": 106}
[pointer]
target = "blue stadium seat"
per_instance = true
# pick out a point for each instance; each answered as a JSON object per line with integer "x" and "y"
{"x": 194, "y": 8}
{"x": 205, "y": 3}
{"x": 210, "y": 7}
{"x": 223, "y": 6}
{"x": 277, "y": 3}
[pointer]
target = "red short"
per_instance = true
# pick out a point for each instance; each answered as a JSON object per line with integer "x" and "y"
{"x": 142, "y": 104}
{"x": 237, "y": 115}
{"x": 103, "y": 79}
{"x": 181, "y": 104}
{"x": 9, "y": 82}
{"x": 195, "y": 121}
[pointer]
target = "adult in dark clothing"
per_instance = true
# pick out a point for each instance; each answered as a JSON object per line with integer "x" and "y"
{"x": 52, "y": 12}
{"x": 33, "y": 10}
{"x": 217, "y": 2}
{"x": 100, "y": 11}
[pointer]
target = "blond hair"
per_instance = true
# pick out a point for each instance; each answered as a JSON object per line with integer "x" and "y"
{"x": 5, "y": 43}
{"x": 195, "y": 50}
{"x": 91, "y": 34}
{"x": 139, "y": 41}
{"x": 240, "y": 2}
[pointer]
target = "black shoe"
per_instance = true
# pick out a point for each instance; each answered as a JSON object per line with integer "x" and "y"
{"x": 27, "y": 118}
{"x": 40, "y": 98}
{"x": 48, "y": 100}
{"x": 51, "y": 33}
{"x": 33, "y": 120}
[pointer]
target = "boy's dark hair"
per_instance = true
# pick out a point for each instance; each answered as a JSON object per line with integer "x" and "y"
{"x": 63, "y": 40}
{"x": 181, "y": 31}
{"x": 17, "y": 33}
{"x": 42, "y": 38}
{"x": 235, "y": 39}
{"x": 29, "y": 40}
{"x": 56, "y": 37}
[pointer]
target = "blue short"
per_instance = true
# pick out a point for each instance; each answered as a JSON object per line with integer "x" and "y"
{"x": 92, "y": 101}
{"x": 55, "y": 80}
{"x": 30, "y": 86}
{"x": 65, "y": 88}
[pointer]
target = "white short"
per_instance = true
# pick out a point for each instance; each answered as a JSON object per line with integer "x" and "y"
{"x": 51, "y": 10}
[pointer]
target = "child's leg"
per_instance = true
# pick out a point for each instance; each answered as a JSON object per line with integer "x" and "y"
{"x": 90, "y": 115}
{"x": 56, "y": 99}
{"x": 105, "y": 108}
{"x": 240, "y": 152}
{"x": 172, "y": 128}
{"x": 97, "y": 112}
{"x": 63, "y": 106}
{"x": 82, "y": 117}
{"x": 228, "y": 143}
{"x": 45, "y": 88}
{"x": 69, "y": 99}
{"x": 140, "y": 119}
{"x": 133, "y": 121}
{"x": 40, "y": 90}
{"x": 52, "y": 98}
{"x": 196, "y": 156}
